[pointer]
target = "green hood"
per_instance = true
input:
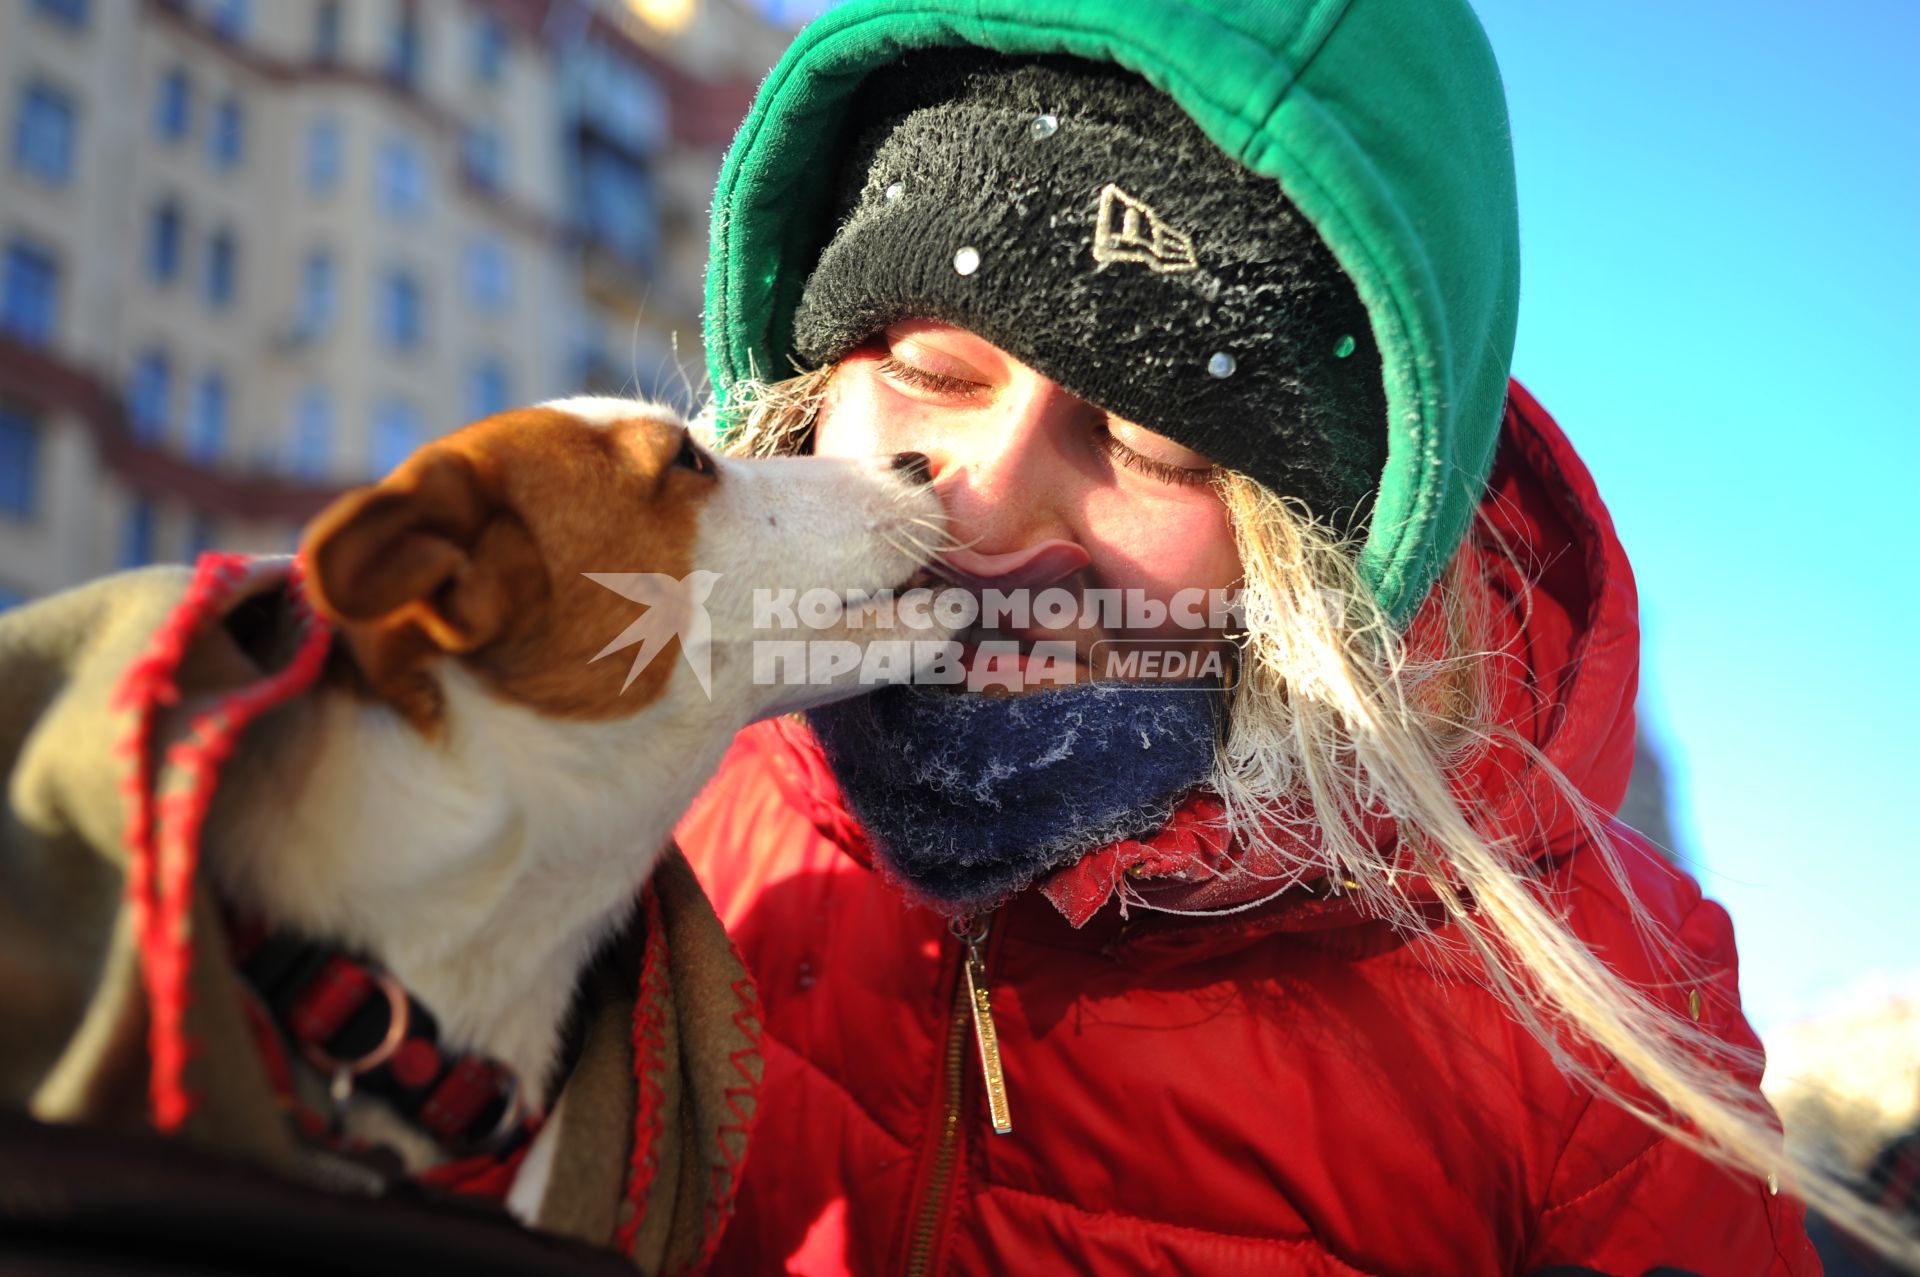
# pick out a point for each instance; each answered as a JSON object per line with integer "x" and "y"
{"x": 1383, "y": 121}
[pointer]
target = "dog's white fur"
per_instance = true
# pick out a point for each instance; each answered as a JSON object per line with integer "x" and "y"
{"x": 484, "y": 867}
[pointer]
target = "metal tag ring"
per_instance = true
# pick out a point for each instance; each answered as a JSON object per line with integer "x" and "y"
{"x": 398, "y": 1014}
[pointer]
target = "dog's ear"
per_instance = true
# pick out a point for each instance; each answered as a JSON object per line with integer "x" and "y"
{"x": 405, "y": 554}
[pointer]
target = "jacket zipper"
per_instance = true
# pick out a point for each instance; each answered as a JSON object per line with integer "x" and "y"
{"x": 985, "y": 1035}
{"x": 971, "y": 1003}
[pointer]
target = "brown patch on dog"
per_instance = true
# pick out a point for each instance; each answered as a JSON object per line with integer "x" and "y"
{"x": 475, "y": 547}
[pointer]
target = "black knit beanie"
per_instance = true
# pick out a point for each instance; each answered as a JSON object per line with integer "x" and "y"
{"x": 1073, "y": 215}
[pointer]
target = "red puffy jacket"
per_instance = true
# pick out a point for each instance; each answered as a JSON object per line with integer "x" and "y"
{"x": 1291, "y": 1090}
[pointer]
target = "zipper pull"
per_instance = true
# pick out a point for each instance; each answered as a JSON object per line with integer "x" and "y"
{"x": 973, "y": 933}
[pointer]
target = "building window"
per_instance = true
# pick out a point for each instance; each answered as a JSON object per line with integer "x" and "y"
{"x": 136, "y": 538}
{"x": 228, "y": 18}
{"x": 484, "y": 157}
{"x": 617, "y": 100}
{"x": 404, "y": 54}
{"x": 489, "y": 388}
{"x": 223, "y": 266}
{"x": 617, "y": 201}
{"x": 29, "y": 304}
{"x": 490, "y": 47}
{"x": 19, "y": 464}
{"x": 207, "y": 429}
{"x": 312, "y": 434}
{"x": 595, "y": 372}
{"x": 488, "y": 272}
{"x": 227, "y": 142}
{"x": 319, "y": 296}
{"x": 43, "y": 134}
{"x": 402, "y": 178}
{"x": 163, "y": 243}
{"x": 327, "y": 32}
{"x": 150, "y": 396}
{"x": 397, "y": 434}
{"x": 401, "y": 321}
{"x": 324, "y": 155}
{"x": 173, "y": 112}
{"x": 72, "y": 13}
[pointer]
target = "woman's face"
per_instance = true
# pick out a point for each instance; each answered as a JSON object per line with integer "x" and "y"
{"x": 1042, "y": 488}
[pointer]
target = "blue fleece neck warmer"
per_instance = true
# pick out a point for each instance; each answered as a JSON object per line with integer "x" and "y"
{"x": 968, "y": 798}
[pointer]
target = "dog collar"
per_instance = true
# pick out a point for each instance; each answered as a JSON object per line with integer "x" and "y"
{"x": 361, "y": 1029}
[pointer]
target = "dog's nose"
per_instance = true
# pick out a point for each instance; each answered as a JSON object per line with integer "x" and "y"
{"x": 915, "y": 465}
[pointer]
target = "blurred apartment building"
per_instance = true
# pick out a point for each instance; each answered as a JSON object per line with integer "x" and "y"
{"x": 253, "y": 252}
{"x": 1648, "y": 807}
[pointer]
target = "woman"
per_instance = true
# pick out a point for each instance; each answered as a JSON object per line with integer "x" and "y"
{"x": 1339, "y": 969}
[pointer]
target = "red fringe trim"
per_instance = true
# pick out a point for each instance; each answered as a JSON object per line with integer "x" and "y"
{"x": 163, "y": 838}
{"x": 649, "y": 1050}
{"x": 743, "y": 1100}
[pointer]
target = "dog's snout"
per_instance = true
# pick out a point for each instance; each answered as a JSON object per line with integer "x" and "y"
{"x": 916, "y": 466}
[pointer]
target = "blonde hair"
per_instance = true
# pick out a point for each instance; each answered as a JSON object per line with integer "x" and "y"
{"x": 1340, "y": 721}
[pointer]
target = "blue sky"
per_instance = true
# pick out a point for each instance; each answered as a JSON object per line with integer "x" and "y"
{"x": 1720, "y": 217}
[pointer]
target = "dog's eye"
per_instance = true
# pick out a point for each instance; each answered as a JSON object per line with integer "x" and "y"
{"x": 691, "y": 458}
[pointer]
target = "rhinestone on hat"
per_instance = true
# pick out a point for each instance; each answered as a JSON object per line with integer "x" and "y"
{"x": 894, "y": 191}
{"x": 967, "y": 260}
{"x": 1222, "y": 365}
{"x": 1044, "y": 126}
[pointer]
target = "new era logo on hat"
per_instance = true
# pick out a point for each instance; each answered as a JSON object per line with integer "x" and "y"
{"x": 1127, "y": 230}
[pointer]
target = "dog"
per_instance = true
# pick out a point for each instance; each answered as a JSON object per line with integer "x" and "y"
{"x": 472, "y": 794}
